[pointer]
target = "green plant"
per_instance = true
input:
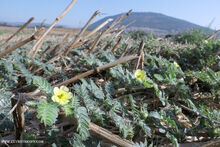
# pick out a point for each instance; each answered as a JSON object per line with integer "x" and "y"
{"x": 195, "y": 36}
{"x": 177, "y": 86}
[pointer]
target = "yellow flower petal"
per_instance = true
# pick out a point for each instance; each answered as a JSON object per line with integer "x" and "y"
{"x": 62, "y": 95}
{"x": 64, "y": 88}
{"x": 176, "y": 64}
{"x": 140, "y": 74}
{"x": 70, "y": 94}
{"x": 56, "y": 90}
{"x": 54, "y": 98}
{"x": 65, "y": 102}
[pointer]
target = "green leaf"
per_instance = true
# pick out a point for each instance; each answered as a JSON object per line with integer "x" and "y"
{"x": 159, "y": 77}
{"x": 148, "y": 82}
{"x": 5, "y": 100}
{"x": 119, "y": 122}
{"x": 135, "y": 111}
{"x": 83, "y": 122}
{"x": 89, "y": 102}
{"x": 25, "y": 72}
{"x": 145, "y": 128}
{"x": 141, "y": 144}
{"x": 74, "y": 102}
{"x": 192, "y": 105}
{"x": 67, "y": 109}
{"x": 155, "y": 114}
{"x": 47, "y": 112}
{"x": 77, "y": 141}
{"x": 172, "y": 74}
{"x": 43, "y": 85}
{"x": 172, "y": 139}
{"x": 109, "y": 88}
{"x": 97, "y": 91}
{"x": 9, "y": 67}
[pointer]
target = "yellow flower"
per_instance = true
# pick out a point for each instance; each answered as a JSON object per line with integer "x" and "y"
{"x": 61, "y": 95}
{"x": 140, "y": 74}
{"x": 176, "y": 64}
{"x": 206, "y": 41}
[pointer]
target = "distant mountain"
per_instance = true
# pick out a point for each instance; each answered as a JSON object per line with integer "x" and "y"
{"x": 152, "y": 22}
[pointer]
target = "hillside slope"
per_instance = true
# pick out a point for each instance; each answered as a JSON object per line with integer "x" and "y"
{"x": 153, "y": 22}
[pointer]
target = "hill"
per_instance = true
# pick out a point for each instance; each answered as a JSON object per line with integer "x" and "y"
{"x": 153, "y": 22}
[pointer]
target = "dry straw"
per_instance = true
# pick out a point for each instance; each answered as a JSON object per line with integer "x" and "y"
{"x": 35, "y": 48}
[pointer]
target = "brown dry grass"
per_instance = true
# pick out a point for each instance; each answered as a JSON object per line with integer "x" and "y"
{"x": 56, "y": 34}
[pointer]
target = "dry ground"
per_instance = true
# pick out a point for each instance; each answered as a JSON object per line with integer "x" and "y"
{"x": 55, "y": 35}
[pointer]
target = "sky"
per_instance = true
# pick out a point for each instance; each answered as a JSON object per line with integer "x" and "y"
{"x": 201, "y": 12}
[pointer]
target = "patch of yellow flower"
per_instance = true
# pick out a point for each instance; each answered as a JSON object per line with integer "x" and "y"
{"x": 61, "y": 95}
{"x": 176, "y": 64}
{"x": 140, "y": 74}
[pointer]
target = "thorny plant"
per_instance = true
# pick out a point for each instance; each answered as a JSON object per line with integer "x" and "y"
{"x": 174, "y": 97}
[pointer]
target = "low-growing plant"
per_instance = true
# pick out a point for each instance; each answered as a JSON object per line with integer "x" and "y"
{"x": 174, "y": 95}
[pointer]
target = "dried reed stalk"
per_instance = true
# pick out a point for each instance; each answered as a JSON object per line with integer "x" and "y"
{"x": 34, "y": 50}
{"x": 42, "y": 23}
{"x": 84, "y": 39}
{"x": 86, "y": 51}
{"x": 120, "y": 30}
{"x": 212, "y": 35}
{"x": 98, "y": 69}
{"x": 100, "y": 132}
{"x": 18, "y": 117}
{"x": 142, "y": 61}
{"x": 105, "y": 47}
{"x": 93, "y": 128}
{"x": 92, "y": 33}
{"x": 98, "y": 28}
{"x": 212, "y": 143}
{"x": 116, "y": 45}
{"x": 108, "y": 136}
{"x": 124, "y": 51}
{"x": 96, "y": 130}
{"x": 40, "y": 44}
{"x": 56, "y": 48}
{"x": 140, "y": 54}
{"x": 130, "y": 51}
{"x": 83, "y": 75}
{"x": 14, "y": 106}
{"x": 59, "y": 46}
{"x": 10, "y": 49}
{"x": 55, "y": 53}
{"x": 44, "y": 52}
{"x": 110, "y": 41}
{"x": 77, "y": 38}
{"x": 107, "y": 29}
{"x": 116, "y": 34}
{"x": 19, "y": 30}
{"x": 81, "y": 41}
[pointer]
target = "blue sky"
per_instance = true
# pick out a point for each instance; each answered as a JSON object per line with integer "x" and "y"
{"x": 201, "y": 12}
